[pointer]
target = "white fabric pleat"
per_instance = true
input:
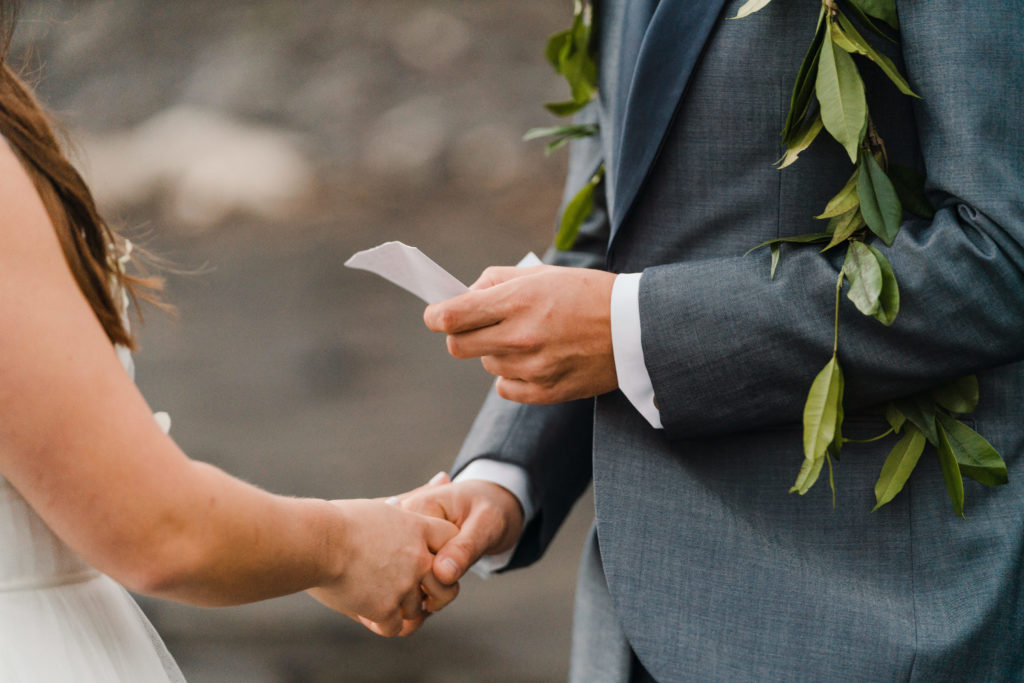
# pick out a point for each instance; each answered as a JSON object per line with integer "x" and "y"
{"x": 61, "y": 620}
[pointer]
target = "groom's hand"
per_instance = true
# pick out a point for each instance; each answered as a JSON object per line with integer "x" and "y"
{"x": 544, "y": 331}
{"x": 489, "y": 518}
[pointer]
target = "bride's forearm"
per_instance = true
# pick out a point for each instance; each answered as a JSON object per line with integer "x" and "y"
{"x": 227, "y": 542}
{"x": 231, "y": 543}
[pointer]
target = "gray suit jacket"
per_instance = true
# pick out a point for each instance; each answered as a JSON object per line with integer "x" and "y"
{"x": 715, "y": 572}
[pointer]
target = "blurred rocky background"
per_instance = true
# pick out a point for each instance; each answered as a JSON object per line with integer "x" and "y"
{"x": 257, "y": 144}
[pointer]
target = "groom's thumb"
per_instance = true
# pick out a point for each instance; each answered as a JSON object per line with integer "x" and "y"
{"x": 462, "y": 552}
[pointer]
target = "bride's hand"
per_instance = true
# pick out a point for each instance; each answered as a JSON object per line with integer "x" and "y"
{"x": 384, "y": 558}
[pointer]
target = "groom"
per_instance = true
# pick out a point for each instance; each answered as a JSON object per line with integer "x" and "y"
{"x": 700, "y": 565}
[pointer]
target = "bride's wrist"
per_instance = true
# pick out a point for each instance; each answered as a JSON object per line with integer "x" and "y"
{"x": 331, "y": 536}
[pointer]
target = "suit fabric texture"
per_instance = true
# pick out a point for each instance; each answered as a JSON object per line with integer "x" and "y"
{"x": 711, "y": 570}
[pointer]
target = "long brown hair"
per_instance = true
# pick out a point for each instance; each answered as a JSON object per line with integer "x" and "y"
{"x": 91, "y": 248}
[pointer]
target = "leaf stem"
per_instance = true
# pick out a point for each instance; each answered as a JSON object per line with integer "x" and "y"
{"x": 835, "y": 333}
{"x": 872, "y": 439}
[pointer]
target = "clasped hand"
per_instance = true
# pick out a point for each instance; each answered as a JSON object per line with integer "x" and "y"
{"x": 395, "y": 580}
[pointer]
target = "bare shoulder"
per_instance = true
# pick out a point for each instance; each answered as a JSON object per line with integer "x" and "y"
{"x": 25, "y": 227}
{"x": 52, "y": 347}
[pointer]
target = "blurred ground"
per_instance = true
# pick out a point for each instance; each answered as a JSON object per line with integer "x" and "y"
{"x": 264, "y": 143}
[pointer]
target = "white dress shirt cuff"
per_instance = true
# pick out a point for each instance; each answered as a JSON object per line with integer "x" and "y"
{"x": 508, "y": 476}
{"x": 634, "y": 380}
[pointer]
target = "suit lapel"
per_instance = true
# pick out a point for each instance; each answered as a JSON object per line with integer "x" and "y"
{"x": 668, "y": 53}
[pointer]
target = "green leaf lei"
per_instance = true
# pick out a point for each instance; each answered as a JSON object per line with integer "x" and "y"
{"x": 828, "y": 94}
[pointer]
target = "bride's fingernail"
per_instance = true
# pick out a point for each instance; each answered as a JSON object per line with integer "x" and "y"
{"x": 393, "y": 500}
{"x": 437, "y": 478}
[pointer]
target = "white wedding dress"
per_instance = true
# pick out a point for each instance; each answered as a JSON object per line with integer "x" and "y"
{"x": 60, "y": 619}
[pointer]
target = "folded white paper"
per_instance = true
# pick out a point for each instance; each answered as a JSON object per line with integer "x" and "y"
{"x": 414, "y": 271}
{"x": 530, "y": 259}
{"x": 410, "y": 269}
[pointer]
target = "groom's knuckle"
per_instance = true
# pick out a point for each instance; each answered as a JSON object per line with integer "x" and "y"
{"x": 520, "y": 300}
{"x": 448, "y": 319}
{"x": 411, "y": 504}
{"x": 538, "y": 371}
{"x": 526, "y": 341}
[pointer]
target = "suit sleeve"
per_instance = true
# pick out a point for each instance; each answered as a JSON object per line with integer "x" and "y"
{"x": 728, "y": 349}
{"x": 551, "y": 443}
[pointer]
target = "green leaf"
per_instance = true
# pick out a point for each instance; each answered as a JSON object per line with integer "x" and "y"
{"x": 909, "y": 186}
{"x": 576, "y": 212}
{"x": 878, "y": 200}
{"x": 824, "y": 401}
{"x": 569, "y": 53}
{"x": 921, "y": 413}
{"x": 959, "y": 396}
{"x": 802, "y": 139}
{"x": 889, "y": 299}
{"x": 564, "y": 108}
{"x": 579, "y": 68}
{"x": 557, "y": 144}
{"x": 844, "y": 226}
{"x": 843, "y": 41}
{"x": 558, "y": 48}
{"x": 836, "y": 446}
{"x": 803, "y": 87}
{"x": 749, "y": 7}
{"x": 831, "y": 479}
{"x": 894, "y": 417}
{"x": 576, "y": 130}
{"x": 863, "y": 47}
{"x": 562, "y": 134}
{"x": 844, "y": 200}
{"x": 951, "y": 472}
{"x": 975, "y": 456}
{"x": 775, "y": 250}
{"x": 880, "y": 9}
{"x": 898, "y": 465}
{"x": 840, "y": 91}
{"x": 867, "y": 22}
{"x": 807, "y": 238}
{"x": 865, "y": 278}
{"x": 808, "y": 474}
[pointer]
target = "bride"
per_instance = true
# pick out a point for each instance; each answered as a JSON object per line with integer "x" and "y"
{"x": 95, "y": 496}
